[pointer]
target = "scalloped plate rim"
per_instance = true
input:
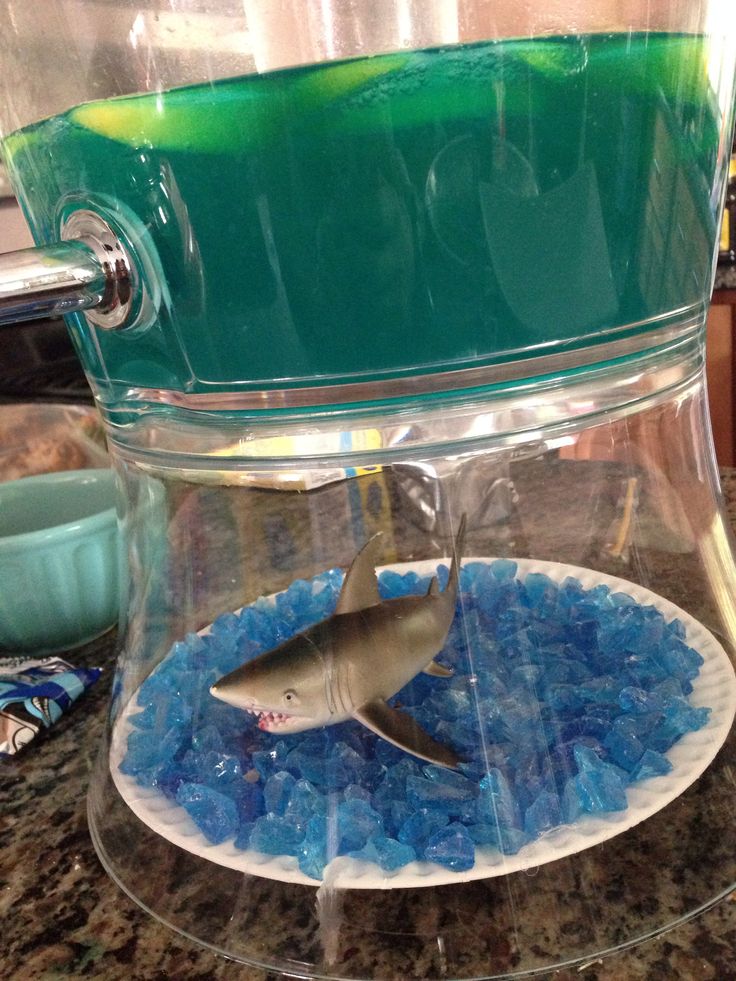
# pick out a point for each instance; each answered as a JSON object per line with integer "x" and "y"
{"x": 645, "y": 798}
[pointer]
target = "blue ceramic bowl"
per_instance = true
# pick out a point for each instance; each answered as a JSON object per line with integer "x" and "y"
{"x": 59, "y": 555}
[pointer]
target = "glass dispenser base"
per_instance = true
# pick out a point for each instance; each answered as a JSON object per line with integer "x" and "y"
{"x": 578, "y": 708}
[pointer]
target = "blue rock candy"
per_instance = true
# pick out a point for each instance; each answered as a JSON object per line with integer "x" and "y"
{"x": 306, "y": 801}
{"x": 684, "y": 717}
{"x": 565, "y": 698}
{"x": 355, "y": 791}
{"x": 680, "y": 660}
{"x": 600, "y": 787}
{"x": 677, "y": 629}
{"x": 637, "y": 701}
{"x": 472, "y": 577}
{"x": 500, "y": 596}
{"x": 419, "y": 827}
{"x": 165, "y": 776}
{"x": 600, "y": 792}
{"x": 277, "y": 791}
{"x": 623, "y": 745}
{"x": 393, "y": 584}
{"x": 679, "y": 717}
{"x": 313, "y": 850}
{"x": 451, "y": 847}
{"x": 561, "y": 696}
{"x": 388, "y": 853}
{"x": 497, "y": 804}
{"x": 540, "y": 593}
{"x": 344, "y": 766}
{"x": 242, "y": 838}
{"x": 447, "y": 796}
{"x": 463, "y": 734}
{"x": 271, "y": 760}
{"x": 309, "y": 761}
{"x": 258, "y": 625}
{"x": 526, "y": 674}
{"x": 502, "y": 569}
{"x": 507, "y": 840}
{"x": 570, "y": 593}
{"x": 213, "y": 768}
{"x": 276, "y": 835}
{"x": 649, "y": 633}
{"x": 227, "y": 625}
{"x": 543, "y": 815}
{"x": 534, "y": 775}
{"x": 249, "y": 798}
{"x": 166, "y": 711}
{"x": 296, "y": 599}
{"x": 215, "y": 814}
{"x": 652, "y": 764}
{"x": 454, "y": 703}
{"x": 618, "y": 631}
{"x": 570, "y": 804}
{"x": 669, "y": 688}
{"x": 145, "y": 752}
{"x": 145, "y": 719}
{"x": 622, "y": 600}
{"x": 208, "y": 738}
{"x": 596, "y": 725}
{"x": 357, "y": 822}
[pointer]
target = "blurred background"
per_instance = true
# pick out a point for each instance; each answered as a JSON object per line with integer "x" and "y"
{"x": 37, "y": 360}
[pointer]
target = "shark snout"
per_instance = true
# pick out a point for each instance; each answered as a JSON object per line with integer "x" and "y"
{"x": 230, "y": 694}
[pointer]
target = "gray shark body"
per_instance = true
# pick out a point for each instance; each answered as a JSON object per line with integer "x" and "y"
{"x": 350, "y": 664}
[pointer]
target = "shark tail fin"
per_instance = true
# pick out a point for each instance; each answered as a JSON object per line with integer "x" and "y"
{"x": 457, "y": 557}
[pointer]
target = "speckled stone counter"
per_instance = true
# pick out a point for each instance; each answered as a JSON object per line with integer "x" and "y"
{"x": 64, "y": 918}
{"x": 725, "y": 278}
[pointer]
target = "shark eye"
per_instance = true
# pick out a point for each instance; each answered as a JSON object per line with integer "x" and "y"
{"x": 290, "y": 697}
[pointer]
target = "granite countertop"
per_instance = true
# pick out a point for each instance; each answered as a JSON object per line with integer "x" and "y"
{"x": 64, "y": 918}
{"x": 725, "y": 278}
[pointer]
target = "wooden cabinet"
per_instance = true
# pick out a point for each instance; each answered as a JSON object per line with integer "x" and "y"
{"x": 721, "y": 372}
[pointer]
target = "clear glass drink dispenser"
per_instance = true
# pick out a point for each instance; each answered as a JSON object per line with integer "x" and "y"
{"x": 395, "y": 315}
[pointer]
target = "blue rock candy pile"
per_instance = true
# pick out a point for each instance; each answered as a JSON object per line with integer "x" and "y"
{"x": 561, "y": 697}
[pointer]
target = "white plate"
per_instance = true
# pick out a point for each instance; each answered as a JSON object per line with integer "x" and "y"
{"x": 715, "y": 687}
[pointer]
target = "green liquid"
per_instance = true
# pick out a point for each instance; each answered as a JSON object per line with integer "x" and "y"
{"x": 407, "y": 212}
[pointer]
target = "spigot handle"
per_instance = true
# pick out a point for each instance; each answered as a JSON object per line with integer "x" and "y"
{"x": 90, "y": 271}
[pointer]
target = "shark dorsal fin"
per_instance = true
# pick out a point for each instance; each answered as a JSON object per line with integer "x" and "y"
{"x": 360, "y": 587}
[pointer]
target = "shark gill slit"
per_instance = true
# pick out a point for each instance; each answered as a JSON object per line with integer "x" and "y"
{"x": 327, "y": 672}
{"x": 340, "y": 687}
{"x": 332, "y": 684}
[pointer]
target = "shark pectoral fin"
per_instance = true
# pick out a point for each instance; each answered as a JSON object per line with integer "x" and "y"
{"x": 360, "y": 586}
{"x": 438, "y": 670}
{"x": 401, "y": 730}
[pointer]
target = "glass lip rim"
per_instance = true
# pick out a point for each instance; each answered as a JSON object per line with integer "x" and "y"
{"x": 622, "y": 26}
{"x": 294, "y": 968}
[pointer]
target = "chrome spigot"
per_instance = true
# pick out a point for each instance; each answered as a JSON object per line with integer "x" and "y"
{"x": 90, "y": 270}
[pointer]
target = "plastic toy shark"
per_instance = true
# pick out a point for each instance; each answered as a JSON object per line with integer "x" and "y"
{"x": 348, "y": 665}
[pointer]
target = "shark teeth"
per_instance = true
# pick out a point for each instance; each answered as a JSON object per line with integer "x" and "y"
{"x": 268, "y": 719}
